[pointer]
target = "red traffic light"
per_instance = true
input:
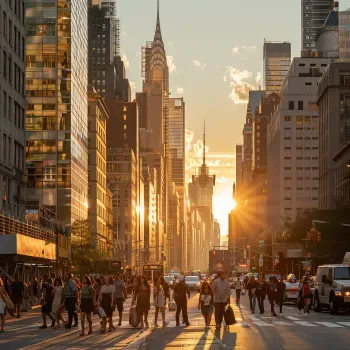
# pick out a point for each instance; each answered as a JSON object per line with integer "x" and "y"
{"x": 213, "y": 253}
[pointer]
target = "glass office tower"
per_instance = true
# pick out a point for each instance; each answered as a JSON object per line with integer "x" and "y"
{"x": 57, "y": 109}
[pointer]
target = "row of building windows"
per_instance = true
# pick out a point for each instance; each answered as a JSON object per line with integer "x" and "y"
{"x": 301, "y": 158}
{"x": 300, "y": 119}
{"x": 301, "y": 168}
{"x": 16, "y": 159}
{"x": 302, "y": 198}
{"x": 13, "y": 73}
{"x": 299, "y": 178}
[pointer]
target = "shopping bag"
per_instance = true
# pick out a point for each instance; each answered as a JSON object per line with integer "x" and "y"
{"x": 133, "y": 316}
{"x": 101, "y": 312}
{"x": 172, "y": 305}
{"x": 229, "y": 316}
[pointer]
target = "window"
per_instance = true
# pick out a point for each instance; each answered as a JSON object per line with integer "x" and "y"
{"x": 300, "y": 105}
{"x": 308, "y": 84}
{"x": 4, "y": 23}
{"x": 10, "y": 70}
{"x": 10, "y": 32}
{"x": 287, "y": 118}
{"x": 4, "y": 147}
{"x": 345, "y": 78}
{"x": 5, "y": 104}
{"x": 299, "y": 120}
{"x": 291, "y": 105}
{"x": 4, "y": 65}
{"x": 124, "y": 108}
{"x": 124, "y": 117}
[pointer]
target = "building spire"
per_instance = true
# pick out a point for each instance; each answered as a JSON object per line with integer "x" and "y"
{"x": 158, "y": 11}
{"x": 158, "y": 33}
{"x": 204, "y": 145}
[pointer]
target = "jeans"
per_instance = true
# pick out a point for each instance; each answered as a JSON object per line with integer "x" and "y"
{"x": 219, "y": 312}
{"x": 238, "y": 295}
{"x": 254, "y": 303}
{"x": 261, "y": 303}
{"x": 181, "y": 305}
{"x": 69, "y": 304}
{"x": 280, "y": 301}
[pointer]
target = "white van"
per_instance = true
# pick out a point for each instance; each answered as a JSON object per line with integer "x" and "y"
{"x": 332, "y": 288}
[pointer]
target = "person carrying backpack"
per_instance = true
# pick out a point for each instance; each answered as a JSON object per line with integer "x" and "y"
{"x": 272, "y": 295}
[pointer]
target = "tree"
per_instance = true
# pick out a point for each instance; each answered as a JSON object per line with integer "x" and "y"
{"x": 85, "y": 249}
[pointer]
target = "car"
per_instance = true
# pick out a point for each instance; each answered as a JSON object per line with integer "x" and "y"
{"x": 292, "y": 288}
{"x": 193, "y": 282}
{"x": 332, "y": 288}
{"x": 170, "y": 280}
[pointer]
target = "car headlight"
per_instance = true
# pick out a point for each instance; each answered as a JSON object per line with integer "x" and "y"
{"x": 338, "y": 293}
{"x": 347, "y": 294}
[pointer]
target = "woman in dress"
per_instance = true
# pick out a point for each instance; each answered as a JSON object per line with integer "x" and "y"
{"x": 106, "y": 301}
{"x": 206, "y": 302}
{"x": 57, "y": 293}
{"x": 87, "y": 302}
{"x": 142, "y": 297}
{"x": 2, "y": 306}
{"x": 159, "y": 302}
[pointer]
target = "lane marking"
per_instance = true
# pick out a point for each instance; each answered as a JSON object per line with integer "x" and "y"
{"x": 329, "y": 324}
{"x": 262, "y": 324}
{"x": 283, "y": 323}
{"x": 306, "y": 324}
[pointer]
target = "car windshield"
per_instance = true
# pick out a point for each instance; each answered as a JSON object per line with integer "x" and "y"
{"x": 342, "y": 273}
{"x": 169, "y": 278}
{"x": 192, "y": 279}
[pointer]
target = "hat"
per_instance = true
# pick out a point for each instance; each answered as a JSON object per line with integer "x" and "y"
{"x": 181, "y": 278}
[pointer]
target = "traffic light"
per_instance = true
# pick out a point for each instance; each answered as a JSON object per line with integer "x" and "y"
{"x": 213, "y": 253}
{"x": 319, "y": 236}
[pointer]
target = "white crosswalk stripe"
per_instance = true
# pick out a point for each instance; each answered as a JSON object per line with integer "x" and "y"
{"x": 262, "y": 324}
{"x": 329, "y": 324}
{"x": 344, "y": 323}
{"x": 292, "y": 318}
{"x": 283, "y": 323}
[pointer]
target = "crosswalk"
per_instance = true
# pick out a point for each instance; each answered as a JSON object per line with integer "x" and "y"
{"x": 291, "y": 321}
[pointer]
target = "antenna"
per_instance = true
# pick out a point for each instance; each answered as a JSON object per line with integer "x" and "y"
{"x": 157, "y": 9}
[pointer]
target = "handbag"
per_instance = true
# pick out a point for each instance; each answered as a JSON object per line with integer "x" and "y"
{"x": 229, "y": 316}
{"x": 133, "y": 316}
{"x": 101, "y": 312}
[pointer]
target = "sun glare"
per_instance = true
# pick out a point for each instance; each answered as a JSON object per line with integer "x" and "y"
{"x": 222, "y": 206}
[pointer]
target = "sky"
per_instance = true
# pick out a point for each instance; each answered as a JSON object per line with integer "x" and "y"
{"x": 214, "y": 50}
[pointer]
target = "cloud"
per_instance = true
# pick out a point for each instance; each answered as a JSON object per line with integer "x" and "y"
{"x": 199, "y": 64}
{"x": 239, "y": 83}
{"x": 180, "y": 90}
{"x": 133, "y": 85}
{"x": 244, "y": 48}
{"x": 171, "y": 64}
{"x": 258, "y": 77}
{"x": 126, "y": 62}
{"x": 225, "y": 79}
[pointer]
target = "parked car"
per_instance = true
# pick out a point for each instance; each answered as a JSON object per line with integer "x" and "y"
{"x": 193, "y": 282}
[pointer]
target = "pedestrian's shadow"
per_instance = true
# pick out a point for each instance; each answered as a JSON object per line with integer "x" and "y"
{"x": 226, "y": 335}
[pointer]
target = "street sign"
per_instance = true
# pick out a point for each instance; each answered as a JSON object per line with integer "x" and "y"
{"x": 261, "y": 262}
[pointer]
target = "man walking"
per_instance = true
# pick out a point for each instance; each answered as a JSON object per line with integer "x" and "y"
{"x": 222, "y": 293}
{"x": 281, "y": 290}
{"x": 70, "y": 297}
{"x": 238, "y": 288}
{"x": 120, "y": 296}
{"x": 17, "y": 294}
{"x": 180, "y": 296}
{"x": 46, "y": 302}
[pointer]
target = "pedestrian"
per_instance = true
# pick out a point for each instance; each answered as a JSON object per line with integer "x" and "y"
{"x": 166, "y": 288}
{"x": 2, "y": 305}
{"x": 206, "y": 302}
{"x": 306, "y": 293}
{"x": 252, "y": 285}
{"x": 35, "y": 289}
{"x": 238, "y": 287}
{"x": 120, "y": 296}
{"x": 222, "y": 293}
{"x": 87, "y": 302}
{"x": 261, "y": 294}
{"x": 97, "y": 286}
{"x": 281, "y": 291}
{"x": 46, "y": 302}
{"x": 181, "y": 292}
{"x": 70, "y": 297}
{"x": 159, "y": 302}
{"x": 17, "y": 293}
{"x": 272, "y": 295}
{"x": 57, "y": 302}
{"x": 142, "y": 298}
{"x": 107, "y": 301}
{"x": 245, "y": 283}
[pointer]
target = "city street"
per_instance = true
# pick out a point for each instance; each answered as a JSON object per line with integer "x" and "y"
{"x": 292, "y": 331}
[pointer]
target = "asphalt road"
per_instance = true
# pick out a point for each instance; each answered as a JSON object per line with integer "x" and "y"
{"x": 292, "y": 331}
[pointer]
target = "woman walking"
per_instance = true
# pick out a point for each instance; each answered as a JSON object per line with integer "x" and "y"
{"x": 272, "y": 295}
{"x": 57, "y": 302}
{"x": 206, "y": 302}
{"x": 306, "y": 293}
{"x": 2, "y": 305}
{"x": 106, "y": 301}
{"x": 87, "y": 302}
{"x": 261, "y": 294}
{"x": 142, "y": 297}
{"x": 159, "y": 302}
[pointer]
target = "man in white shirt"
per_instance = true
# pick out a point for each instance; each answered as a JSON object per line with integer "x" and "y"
{"x": 222, "y": 293}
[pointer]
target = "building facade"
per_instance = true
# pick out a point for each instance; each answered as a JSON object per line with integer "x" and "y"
{"x": 344, "y": 33}
{"x": 98, "y": 198}
{"x": 293, "y": 143}
{"x": 333, "y": 99}
{"x": 276, "y": 62}
{"x": 57, "y": 109}
{"x": 122, "y": 177}
{"x": 313, "y": 16}
{"x": 12, "y": 103}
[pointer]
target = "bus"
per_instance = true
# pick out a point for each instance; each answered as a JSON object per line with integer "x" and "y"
{"x": 152, "y": 271}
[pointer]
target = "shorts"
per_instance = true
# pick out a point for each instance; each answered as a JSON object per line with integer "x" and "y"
{"x": 119, "y": 302}
{"x": 206, "y": 309}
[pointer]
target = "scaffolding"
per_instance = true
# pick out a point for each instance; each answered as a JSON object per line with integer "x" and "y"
{"x": 145, "y": 59}
{"x": 116, "y": 36}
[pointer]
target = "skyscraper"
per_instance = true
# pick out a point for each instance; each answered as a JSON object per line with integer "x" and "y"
{"x": 276, "y": 56}
{"x": 313, "y": 16}
{"x": 12, "y": 102}
{"x": 57, "y": 110}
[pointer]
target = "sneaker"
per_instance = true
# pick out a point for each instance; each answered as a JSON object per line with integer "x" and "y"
{"x": 300, "y": 312}
{"x": 165, "y": 324}
{"x": 188, "y": 324}
{"x": 156, "y": 325}
{"x": 281, "y": 314}
{"x": 119, "y": 324}
{"x": 75, "y": 325}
